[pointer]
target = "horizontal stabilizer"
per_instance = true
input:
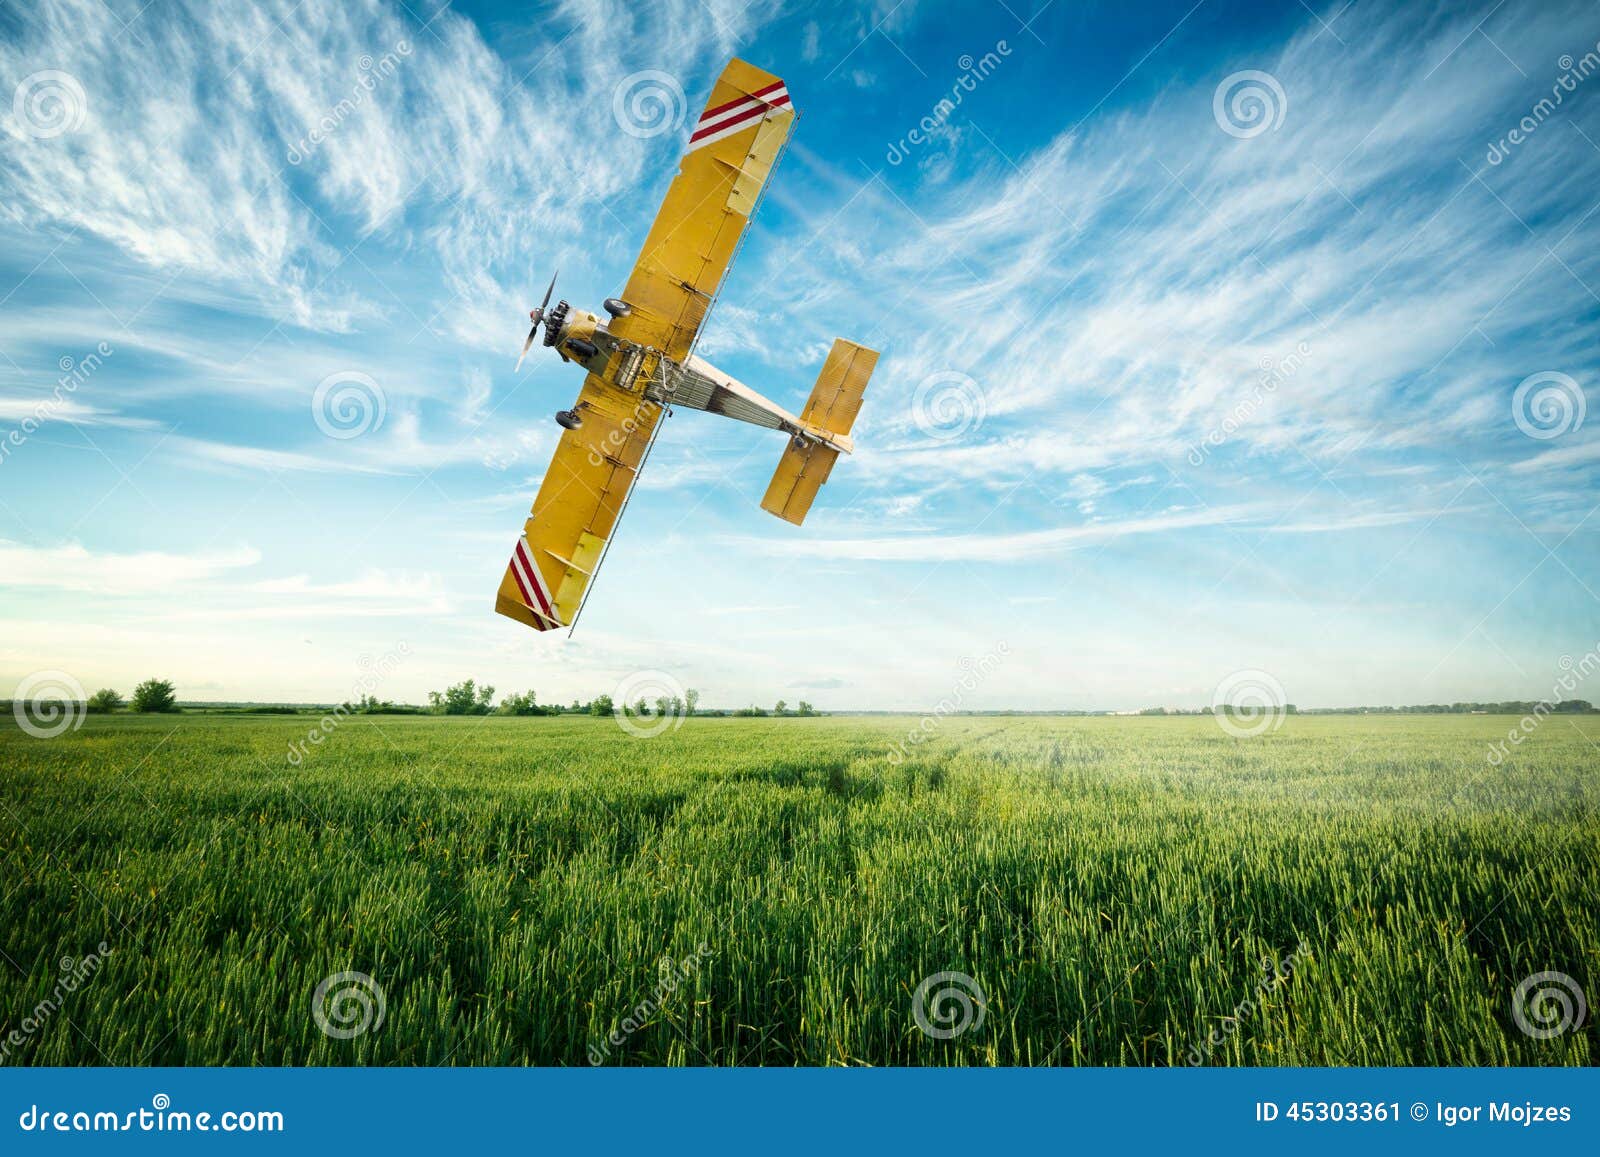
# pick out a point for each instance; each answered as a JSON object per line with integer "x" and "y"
{"x": 802, "y": 470}
{"x": 836, "y": 398}
{"x": 831, "y": 410}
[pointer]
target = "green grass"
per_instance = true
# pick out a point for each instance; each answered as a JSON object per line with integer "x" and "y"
{"x": 1113, "y": 886}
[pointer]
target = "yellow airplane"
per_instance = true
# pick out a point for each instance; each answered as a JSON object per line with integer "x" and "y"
{"x": 640, "y": 361}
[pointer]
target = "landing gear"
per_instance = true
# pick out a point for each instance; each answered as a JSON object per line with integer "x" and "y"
{"x": 568, "y": 419}
{"x": 616, "y": 307}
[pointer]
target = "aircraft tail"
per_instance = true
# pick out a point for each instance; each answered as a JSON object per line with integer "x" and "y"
{"x": 831, "y": 411}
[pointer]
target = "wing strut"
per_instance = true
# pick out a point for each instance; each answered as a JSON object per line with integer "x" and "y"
{"x": 666, "y": 412}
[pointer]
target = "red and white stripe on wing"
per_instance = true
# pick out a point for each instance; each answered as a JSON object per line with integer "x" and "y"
{"x": 531, "y": 583}
{"x": 727, "y": 119}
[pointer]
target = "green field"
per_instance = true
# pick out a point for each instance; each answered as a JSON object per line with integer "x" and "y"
{"x": 1112, "y": 885}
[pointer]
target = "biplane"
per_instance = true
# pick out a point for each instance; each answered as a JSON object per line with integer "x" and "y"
{"x": 640, "y": 363}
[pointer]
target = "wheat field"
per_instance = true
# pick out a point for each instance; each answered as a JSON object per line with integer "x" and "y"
{"x": 1012, "y": 891}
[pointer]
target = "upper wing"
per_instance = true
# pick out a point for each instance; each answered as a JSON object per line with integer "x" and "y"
{"x": 582, "y": 494}
{"x": 732, "y": 149}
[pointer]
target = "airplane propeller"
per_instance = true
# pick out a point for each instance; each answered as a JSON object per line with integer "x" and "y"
{"x": 537, "y": 316}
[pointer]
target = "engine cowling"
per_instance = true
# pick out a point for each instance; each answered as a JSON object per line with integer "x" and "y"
{"x": 554, "y": 322}
{"x": 565, "y": 325}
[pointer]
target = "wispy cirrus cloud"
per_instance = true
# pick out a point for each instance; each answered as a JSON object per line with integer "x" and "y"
{"x": 239, "y": 142}
{"x": 1117, "y": 290}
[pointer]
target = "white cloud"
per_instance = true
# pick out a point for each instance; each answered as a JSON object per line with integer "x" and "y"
{"x": 992, "y": 547}
{"x": 1116, "y": 292}
{"x": 43, "y": 409}
{"x": 73, "y": 567}
{"x": 231, "y": 141}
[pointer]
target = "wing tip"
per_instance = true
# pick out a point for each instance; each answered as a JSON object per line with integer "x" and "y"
{"x": 526, "y": 615}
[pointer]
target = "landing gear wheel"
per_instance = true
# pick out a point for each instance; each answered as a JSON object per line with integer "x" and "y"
{"x": 616, "y": 307}
{"x": 568, "y": 419}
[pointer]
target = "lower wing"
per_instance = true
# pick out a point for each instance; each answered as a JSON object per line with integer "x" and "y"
{"x": 573, "y": 518}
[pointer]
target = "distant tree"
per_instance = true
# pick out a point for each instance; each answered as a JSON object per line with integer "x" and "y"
{"x": 782, "y": 708}
{"x": 805, "y": 709}
{"x": 663, "y": 706}
{"x": 524, "y": 704}
{"x": 601, "y": 705}
{"x": 691, "y": 700}
{"x": 105, "y": 700}
{"x": 464, "y": 698}
{"x": 641, "y": 708}
{"x": 155, "y": 695}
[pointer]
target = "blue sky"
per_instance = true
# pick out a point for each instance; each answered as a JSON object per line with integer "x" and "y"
{"x": 1185, "y": 372}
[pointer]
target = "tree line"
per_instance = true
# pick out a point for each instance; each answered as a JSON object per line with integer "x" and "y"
{"x": 465, "y": 698}
{"x": 471, "y": 698}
